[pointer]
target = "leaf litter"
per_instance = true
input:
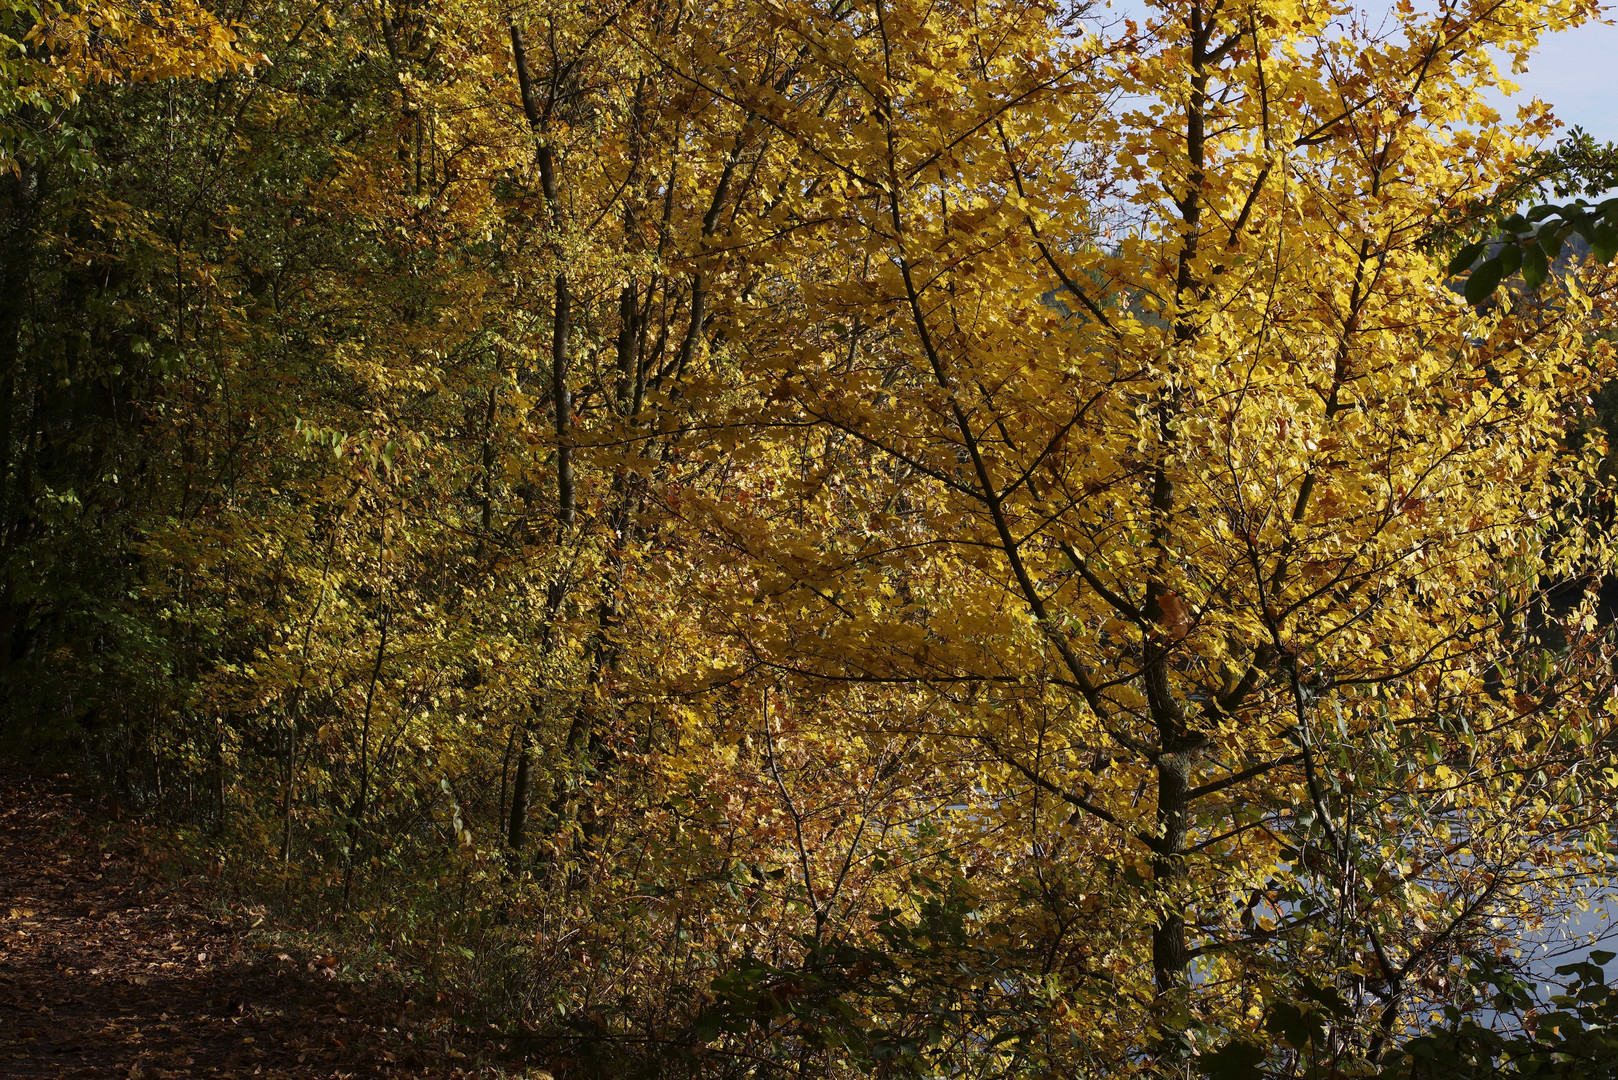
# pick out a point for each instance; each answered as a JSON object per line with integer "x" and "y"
{"x": 109, "y": 969}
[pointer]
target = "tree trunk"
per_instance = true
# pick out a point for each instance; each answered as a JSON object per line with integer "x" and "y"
{"x": 1169, "y": 954}
{"x": 521, "y": 785}
{"x": 16, "y": 260}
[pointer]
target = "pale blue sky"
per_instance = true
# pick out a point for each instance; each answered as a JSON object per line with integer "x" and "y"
{"x": 1577, "y": 72}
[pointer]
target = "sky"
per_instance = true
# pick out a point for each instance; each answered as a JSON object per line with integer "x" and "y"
{"x": 1577, "y": 72}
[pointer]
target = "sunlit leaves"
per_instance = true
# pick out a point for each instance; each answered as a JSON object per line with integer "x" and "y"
{"x": 1053, "y": 566}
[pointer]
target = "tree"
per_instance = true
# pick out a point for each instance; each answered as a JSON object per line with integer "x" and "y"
{"x": 1216, "y": 577}
{"x": 820, "y": 537}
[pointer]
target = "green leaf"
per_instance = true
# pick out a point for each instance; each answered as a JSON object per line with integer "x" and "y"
{"x": 1550, "y": 240}
{"x": 1534, "y": 267}
{"x": 1328, "y": 996}
{"x": 1604, "y": 243}
{"x": 1510, "y": 259}
{"x": 1464, "y": 258}
{"x": 1297, "y": 1026}
{"x": 1233, "y": 1061}
{"x": 1483, "y": 281}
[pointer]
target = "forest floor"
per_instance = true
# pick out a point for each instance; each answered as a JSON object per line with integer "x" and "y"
{"x": 112, "y": 966}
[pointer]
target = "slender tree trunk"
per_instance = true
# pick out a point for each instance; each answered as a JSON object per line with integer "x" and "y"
{"x": 219, "y": 776}
{"x": 561, "y": 327}
{"x": 1170, "y": 956}
{"x": 286, "y": 792}
{"x": 16, "y": 261}
{"x": 488, "y": 473}
{"x": 566, "y": 508}
{"x": 1178, "y": 745}
{"x": 521, "y": 785}
{"x": 363, "y": 799}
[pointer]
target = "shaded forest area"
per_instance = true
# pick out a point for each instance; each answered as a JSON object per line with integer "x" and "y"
{"x": 834, "y": 537}
{"x": 115, "y": 962}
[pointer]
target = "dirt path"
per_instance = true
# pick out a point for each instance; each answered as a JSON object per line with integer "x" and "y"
{"x": 105, "y": 971}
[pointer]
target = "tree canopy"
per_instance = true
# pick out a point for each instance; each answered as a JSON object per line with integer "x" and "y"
{"x": 826, "y": 537}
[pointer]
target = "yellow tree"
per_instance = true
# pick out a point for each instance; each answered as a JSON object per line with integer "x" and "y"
{"x": 780, "y": 458}
{"x": 1199, "y": 500}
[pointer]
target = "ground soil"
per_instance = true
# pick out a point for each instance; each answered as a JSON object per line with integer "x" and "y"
{"x": 110, "y": 966}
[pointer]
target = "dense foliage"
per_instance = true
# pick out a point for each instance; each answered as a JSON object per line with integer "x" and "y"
{"x": 823, "y": 537}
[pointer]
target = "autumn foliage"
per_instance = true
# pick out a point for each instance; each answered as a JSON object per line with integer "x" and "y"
{"x": 820, "y": 538}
